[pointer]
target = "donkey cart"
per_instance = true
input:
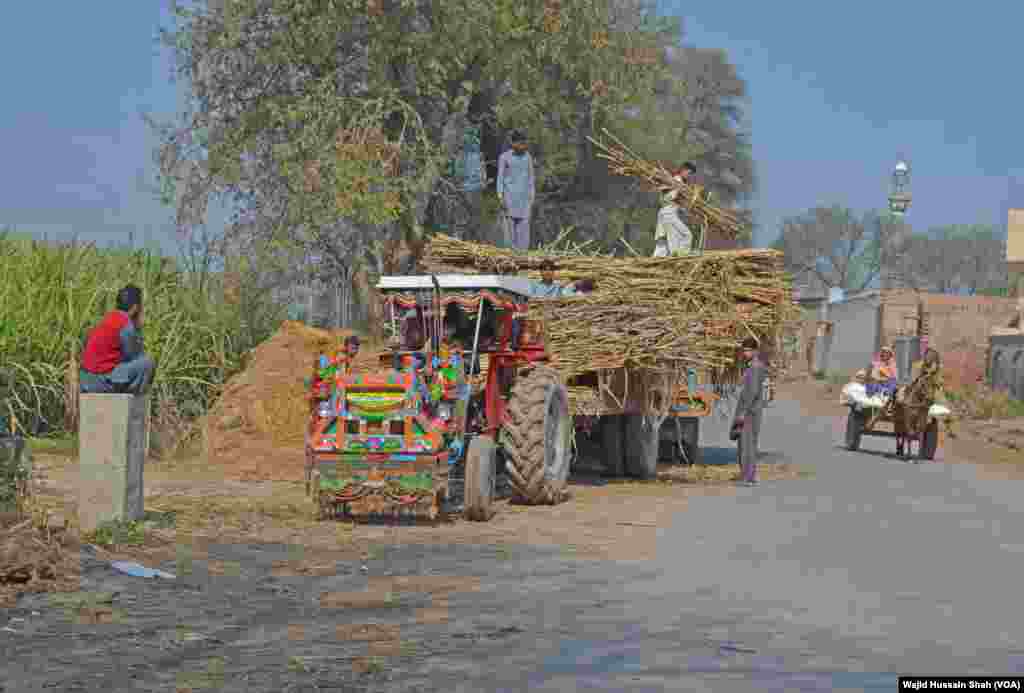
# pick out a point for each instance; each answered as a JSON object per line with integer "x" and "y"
{"x": 908, "y": 423}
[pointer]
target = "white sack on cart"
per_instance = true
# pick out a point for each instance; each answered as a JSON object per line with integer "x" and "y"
{"x": 856, "y": 393}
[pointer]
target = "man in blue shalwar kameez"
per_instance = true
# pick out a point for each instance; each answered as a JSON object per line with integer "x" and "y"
{"x": 516, "y": 183}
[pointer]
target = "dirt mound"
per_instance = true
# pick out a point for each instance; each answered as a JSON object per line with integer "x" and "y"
{"x": 256, "y": 429}
{"x": 36, "y": 557}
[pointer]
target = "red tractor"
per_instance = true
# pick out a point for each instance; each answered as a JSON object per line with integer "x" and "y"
{"x": 466, "y": 387}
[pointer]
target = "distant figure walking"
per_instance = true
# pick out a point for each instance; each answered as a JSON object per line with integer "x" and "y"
{"x": 516, "y": 187}
{"x": 113, "y": 360}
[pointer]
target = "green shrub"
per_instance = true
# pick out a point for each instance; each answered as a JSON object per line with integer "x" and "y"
{"x": 15, "y": 470}
{"x": 975, "y": 401}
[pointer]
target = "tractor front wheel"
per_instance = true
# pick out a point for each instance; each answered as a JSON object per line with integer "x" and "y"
{"x": 481, "y": 474}
{"x": 537, "y": 436}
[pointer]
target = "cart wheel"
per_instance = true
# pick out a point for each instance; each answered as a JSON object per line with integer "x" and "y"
{"x": 930, "y": 441}
{"x": 854, "y": 430}
{"x": 908, "y": 449}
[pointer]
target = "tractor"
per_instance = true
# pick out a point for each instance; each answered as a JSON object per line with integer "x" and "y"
{"x": 465, "y": 389}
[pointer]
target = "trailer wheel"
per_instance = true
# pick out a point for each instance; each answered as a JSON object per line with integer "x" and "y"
{"x": 612, "y": 446}
{"x": 481, "y": 474}
{"x": 854, "y": 430}
{"x": 641, "y": 447}
{"x": 930, "y": 441}
{"x": 691, "y": 439}
{"x": 538, "y": 437}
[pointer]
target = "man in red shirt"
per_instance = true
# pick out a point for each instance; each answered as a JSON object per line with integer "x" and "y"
{"x": 113, "y": 360}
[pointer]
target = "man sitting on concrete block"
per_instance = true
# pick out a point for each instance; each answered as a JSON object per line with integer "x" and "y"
{"x": 113, "y": 361}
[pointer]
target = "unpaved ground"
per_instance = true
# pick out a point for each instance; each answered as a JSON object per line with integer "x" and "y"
{"x": 661, "y": 586}
{"x": 872, "y": 565}
{"x": 600, "y": 518}
{"x": 267, "y": 598}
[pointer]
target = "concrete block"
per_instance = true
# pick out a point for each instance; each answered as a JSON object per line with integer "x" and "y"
{"x": 112, "y": 435}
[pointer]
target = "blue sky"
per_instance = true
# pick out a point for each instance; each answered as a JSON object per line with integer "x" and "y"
{"x": 838, "y": 91}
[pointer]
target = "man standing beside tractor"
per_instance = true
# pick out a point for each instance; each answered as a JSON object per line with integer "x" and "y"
{"x": 746, "y": 423}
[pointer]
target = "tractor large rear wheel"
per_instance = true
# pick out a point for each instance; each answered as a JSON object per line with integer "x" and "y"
{"x": 537, "y": 435}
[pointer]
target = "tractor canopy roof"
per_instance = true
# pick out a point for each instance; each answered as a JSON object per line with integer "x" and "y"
{"x": 463, "y": 283}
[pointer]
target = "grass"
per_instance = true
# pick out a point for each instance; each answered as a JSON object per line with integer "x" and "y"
{"x": 117, "y": 533}
{"x": 288, "y": 507}
{"x": 54, "y": 293}
{"x": 977, "y": 401}
{"x": 62, "y": 445}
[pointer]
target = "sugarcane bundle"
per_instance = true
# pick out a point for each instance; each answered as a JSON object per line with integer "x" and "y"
{"x": 656, "y": 314}
{"x": 694, "y": 198}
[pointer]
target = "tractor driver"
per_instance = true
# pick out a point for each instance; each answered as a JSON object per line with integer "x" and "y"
{"x": 350, "y": 350}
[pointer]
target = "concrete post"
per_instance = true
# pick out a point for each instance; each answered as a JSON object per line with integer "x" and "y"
{"x": 112, "y": 439}
{"x": 822, "y": 347}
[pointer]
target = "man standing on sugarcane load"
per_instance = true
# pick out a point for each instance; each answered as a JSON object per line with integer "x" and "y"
{"x": 516, "y": 183}
{"x": 113, "y": 360}
{"x": 672, "y": 236}
{"x": 746, "y": 422}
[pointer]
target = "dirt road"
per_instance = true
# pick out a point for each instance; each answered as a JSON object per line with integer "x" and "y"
{"x": 873, "y": 565}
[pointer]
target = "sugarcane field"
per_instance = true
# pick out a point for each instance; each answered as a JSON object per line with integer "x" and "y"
{"x": 489, "y": 347}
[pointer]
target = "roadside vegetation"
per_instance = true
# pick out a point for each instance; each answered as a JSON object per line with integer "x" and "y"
{"x": 53, "y": 293}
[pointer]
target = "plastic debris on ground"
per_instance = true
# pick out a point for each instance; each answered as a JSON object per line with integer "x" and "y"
{"x": 137, "y": 570}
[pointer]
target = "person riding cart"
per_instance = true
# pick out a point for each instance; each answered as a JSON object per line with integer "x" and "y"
{"x": 882, "y": 380}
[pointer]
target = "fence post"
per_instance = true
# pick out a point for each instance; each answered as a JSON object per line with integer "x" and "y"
{"x": 112, "y": 439}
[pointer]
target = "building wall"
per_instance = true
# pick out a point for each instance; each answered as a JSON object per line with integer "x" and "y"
{"x": 855, "y": 325}
{"x": 1006, "y": 365}
{"x": 958, "y": 326}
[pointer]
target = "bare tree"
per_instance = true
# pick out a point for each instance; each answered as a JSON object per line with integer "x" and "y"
{"x": 831, "y": 245}
{"x": 955, "y": 259}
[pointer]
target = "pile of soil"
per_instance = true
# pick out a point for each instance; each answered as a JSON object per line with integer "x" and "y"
{"x": 36, "y": 557}
{"x": 256, "y": 429}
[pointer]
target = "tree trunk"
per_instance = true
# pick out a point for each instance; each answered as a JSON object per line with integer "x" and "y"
{"x": 585, "y": 175}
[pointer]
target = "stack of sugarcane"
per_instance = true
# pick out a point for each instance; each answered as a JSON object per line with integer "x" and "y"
{"x": 661, "y": 314}
{"x": 655, "y": 314}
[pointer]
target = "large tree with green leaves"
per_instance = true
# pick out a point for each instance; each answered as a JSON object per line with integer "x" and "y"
{"x": 304, "y": 112}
